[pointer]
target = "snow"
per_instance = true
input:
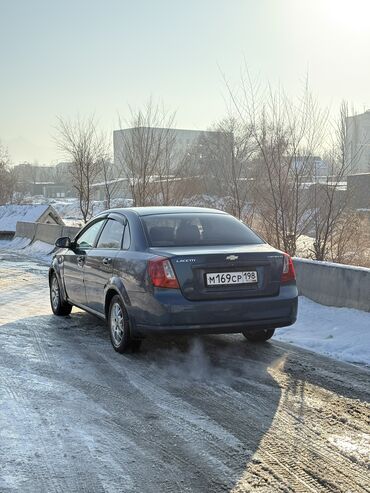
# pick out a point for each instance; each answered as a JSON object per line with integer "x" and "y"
{"x": 10, "y": 214}
{"x": 341, "y": 333}
{"x": 304, "y": 246}
{"x": 360, "y": 444}
{"x": 23, "y": 246}
{"x": 69, "y": 209}
{"x": 40, "y": 250}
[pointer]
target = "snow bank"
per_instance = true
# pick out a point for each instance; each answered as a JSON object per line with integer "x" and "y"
{"x": 69, "y": 209}
{"x": 38, "y": 249}
{"x": 16, "y": 243}
{"x": 342, "y": 333}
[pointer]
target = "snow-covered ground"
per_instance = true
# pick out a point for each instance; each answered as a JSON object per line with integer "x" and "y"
{"x": 185, "y": 414}
{"x": 38, "y": 249}
{"x": 341, "y": 333}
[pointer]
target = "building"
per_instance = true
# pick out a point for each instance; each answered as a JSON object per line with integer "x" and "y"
{"x": 181, "y": 142}
{"x": 118, "y": 189}
{"x": 52, "y": 190}
{"x": 48, "y": 181}
{"x": 357, "y": 144}
{"x": 313, "y": 166}
{"x": 31, "y": 173}
{"x": 11, "y": 214}
{"x": 358, "y": 189}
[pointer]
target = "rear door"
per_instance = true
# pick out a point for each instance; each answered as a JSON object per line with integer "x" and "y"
{"x": 74, "y": 262}
{"x": 99, "y": 261}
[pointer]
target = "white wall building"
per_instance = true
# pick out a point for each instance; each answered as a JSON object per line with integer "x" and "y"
{"x": 184, "y": 140}
{"x": 357, "y": 146}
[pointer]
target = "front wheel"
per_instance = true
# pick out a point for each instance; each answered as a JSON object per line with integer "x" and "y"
{"x": 261, "y": 335}
{"x": 119, "y": 327}
{"x": 58, "y": 305}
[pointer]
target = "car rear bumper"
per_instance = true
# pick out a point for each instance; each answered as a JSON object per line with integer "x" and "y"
{"x": 175, "y": 314}
{"x": 231, "y": 328}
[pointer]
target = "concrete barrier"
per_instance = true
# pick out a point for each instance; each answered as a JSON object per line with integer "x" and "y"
{"x": 334, "y": 284}
{"x": 25, "y": 230}
{"x": 48, "y": 233}
{"x": 70, "y": 231}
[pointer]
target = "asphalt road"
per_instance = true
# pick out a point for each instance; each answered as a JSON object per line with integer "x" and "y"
{"x": 196, "y": 414}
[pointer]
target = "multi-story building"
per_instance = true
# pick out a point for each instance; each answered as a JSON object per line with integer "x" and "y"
{"x": 48, "y": 181}
{"x": 358, "y": 188}
{"x": 357, "y": 145}
{"x": 181, "y": 142}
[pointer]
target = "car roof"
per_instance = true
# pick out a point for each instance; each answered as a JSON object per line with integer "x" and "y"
{"x": 154, "y": 210}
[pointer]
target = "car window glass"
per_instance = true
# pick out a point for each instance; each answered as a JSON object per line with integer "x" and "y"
{"x": 197, "y": 229}
{"x": 87, "y": 239}
{"x": 111, "y": 235}
{"x": 126, "y": 238}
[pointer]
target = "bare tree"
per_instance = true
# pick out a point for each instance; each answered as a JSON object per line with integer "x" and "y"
{"x": 331, "y": 202}
{"x": 287, "y": 135}
{"x": 148, "y": 155}
{"x": 7, "y": 177}
{"x": 86, "y": 149}
{"x": 112, "y": 180}
{"x": 227, "y": 157}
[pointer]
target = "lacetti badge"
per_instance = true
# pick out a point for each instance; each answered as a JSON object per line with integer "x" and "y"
{"x": 232, "y": 257}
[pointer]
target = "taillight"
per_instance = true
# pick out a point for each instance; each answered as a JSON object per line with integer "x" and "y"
{"x": 161, "y": 273}
{"x": 288, "y": 273}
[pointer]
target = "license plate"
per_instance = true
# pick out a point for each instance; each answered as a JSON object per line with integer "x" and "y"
{"x": 225, "y": 278}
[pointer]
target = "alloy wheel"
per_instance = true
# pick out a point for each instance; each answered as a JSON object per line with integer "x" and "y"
{"x": 55, "y": 293}
{"x": 117, "y": 324}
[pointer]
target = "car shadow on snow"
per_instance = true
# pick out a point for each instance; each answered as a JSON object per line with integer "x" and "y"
{"x": 210, "y": 399}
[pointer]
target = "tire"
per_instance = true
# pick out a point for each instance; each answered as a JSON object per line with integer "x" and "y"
{"x": 261, "y": 335}
{"x": 119, "y": 328}
{"x": 60, "y": 307}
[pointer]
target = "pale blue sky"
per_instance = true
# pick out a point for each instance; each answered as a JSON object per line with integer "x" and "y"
{"x": 74, "y": 57}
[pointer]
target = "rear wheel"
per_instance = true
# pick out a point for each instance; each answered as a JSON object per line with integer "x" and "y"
{"x": 119, "y": 327}
{"x": 261, "y": 335}
{"x": 58, "y": 305}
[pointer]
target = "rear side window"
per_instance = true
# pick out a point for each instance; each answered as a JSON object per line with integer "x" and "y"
{"x": 127, "y": 238}
{"x": 111, "y": 236}
{"x": 196, "y": 230}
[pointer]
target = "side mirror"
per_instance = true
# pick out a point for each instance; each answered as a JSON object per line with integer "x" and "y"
{"x": 63, "y": 242}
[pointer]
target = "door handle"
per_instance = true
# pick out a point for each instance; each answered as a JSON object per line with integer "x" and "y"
{"x": 81, "y": 259}
{"x": 107, "y": 261}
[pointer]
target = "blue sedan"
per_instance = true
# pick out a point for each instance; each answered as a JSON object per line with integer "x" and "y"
{"x": 149, "y": 270}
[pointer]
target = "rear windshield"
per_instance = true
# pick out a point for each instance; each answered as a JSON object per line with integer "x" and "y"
{"x": 196, "y": 230}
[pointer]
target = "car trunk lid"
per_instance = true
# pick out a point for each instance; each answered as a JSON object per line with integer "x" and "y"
{"x": 225, "y": 263}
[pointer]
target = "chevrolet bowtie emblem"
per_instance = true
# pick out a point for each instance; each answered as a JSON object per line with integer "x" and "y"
{"x": 232, "y": 257}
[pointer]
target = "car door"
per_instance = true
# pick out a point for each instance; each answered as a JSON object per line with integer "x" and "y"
{"x": 74, "y": 262}
{"x": 99, "y": 261}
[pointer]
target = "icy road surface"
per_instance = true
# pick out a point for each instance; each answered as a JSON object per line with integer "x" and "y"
{"x": 197, "y": 414}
